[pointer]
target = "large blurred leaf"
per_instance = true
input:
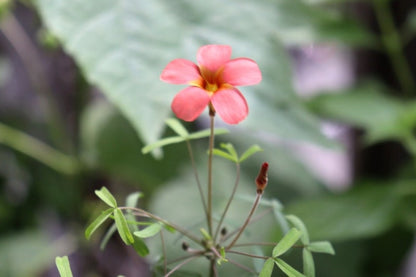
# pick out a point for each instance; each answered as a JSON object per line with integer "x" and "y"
{"x": 382, "y": 116}
{"x": 109, "y": 143}
{"x": 122, "y": 46}
{"x": 360, "y": 213}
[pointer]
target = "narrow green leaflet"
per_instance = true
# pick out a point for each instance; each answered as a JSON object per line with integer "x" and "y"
{"x": 286, "y": 242}
{"x": 133, "y": 198}
{"x": 267, "y": 268}
{"x": 286, "y": 268}
{"x": 97, "y": 222}
{"x": 206, "y": 133}
{"x": 149, "y": 231}
{"x": 230, "y": 148}
{"x": 321, "y": 247}
{"x": 308, "y": 263}
{"x": 297, "y": 222}
{"x": 249, "y": 152}
{"x": 140, "y": 247}
{"x": 122, "y": 227}
{"x": 224, "y": 155}
{"x": 62, "y": 263}
{"x": 107, "y": 236}
{"x": 107, "y": 197}
{"x": 177, "y": 126}
{"x": 160, "y": 143}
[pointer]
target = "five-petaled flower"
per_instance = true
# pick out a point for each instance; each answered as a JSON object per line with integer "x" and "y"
{"x": 212, "y": 83}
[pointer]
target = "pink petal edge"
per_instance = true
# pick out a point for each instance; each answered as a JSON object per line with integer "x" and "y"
{"x": 213, "y": 56}
{"x": 180, "y": 71}
{"x": 189, "y": 103}
{"x": 230, "y": 105}
{"x": 241, "y": 72}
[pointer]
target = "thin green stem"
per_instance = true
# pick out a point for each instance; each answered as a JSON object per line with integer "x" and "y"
{"x": 256, "y": 203}
{"x": 210, "y": 151}
{"x": 237, "y": 180}
{"x": 198, "y": 182}
{"x": 247, "y": 254}
{"x": 165, "y": 263}
{"x": 243, "y": 267}
{"x": 143, "y": 213}
{"x": 38, "y": 150}
{"x": 394, "y": 46}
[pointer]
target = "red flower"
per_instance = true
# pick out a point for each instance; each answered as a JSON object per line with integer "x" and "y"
{"x": 212, "y": 82}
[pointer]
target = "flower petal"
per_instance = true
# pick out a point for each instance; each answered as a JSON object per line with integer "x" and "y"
{"x": 230, "y": 105}
{"x": 180, "y": 71}
{"x": 189, "y": 103}
{"x": 241, "y": 72}
{"x": 212, "y": 57}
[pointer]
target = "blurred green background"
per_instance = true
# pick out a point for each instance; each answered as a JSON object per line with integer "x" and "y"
{"x": 335, "y": 113}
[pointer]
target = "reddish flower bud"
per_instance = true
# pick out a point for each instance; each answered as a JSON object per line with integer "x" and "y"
{"x": 261, "y": 180}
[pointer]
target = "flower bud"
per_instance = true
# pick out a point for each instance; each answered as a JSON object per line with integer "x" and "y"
{"x": 261, "y": 180}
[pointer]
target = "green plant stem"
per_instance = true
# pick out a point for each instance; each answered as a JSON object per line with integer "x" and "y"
{"x": 143, "y": 213}
{"x": 198, "y": 182}
{"x": 38, "y": 150}
{"x": 180, "y": 265}
{"x": 237, "y": 180}
{"x": 394, "y": 46}
{"x": 210, "y": 150}
{"x": 256, "y": 203}
{"x": 248, "y": 255}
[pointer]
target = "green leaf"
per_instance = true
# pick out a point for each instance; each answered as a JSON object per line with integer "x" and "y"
{"x": 122, "y": 227}
{"x": 367, "y": 210}
{"x": 224, "y": 155}
{"x": 116, "y": 46}
{"x": 287, "y": 269}
{"x": 249, "y": 152}
{"x": 267, "y": 268}
{"x": 230, "y": 148}
{"x": 133, "y": 198}
{"x": 149, "y": 231}
{"x": 160, "y": 143}
{"x": 177, "y": 126}
{"x": 107, "y": 236}
{"x": 206, "y": 133}
{"x": 106, "y": 196}
{"x": 321, "y": 247}
{"x": 286, "y": 242}
{"x": 297, "y": 222}
{"x": 140, "y": 247}
{"x": 308, "y": 263}
{"x": 62, "y": 263}
{"x": 97, "y": 222}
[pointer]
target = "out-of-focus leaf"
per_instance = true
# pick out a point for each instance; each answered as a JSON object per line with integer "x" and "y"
{"x": 107, "y": 236}
{"x": 122, "y": 49}
{"x": 382, "y": 116}
{"x": 110, "y": 144}
{"x": 249, "y": 152}
{"x": 224, "y": 155}
{"x": 98, "y": 222}
{"x": 105, "y": 195}
{"x": 62, "y": 263}
{"x": 360, "y": 213}
{"x": 149, "y": 231}
{"x": 160, "y": 143}
{"x": 267, "y": 268}
{"x": 308, "y": 263}
{"x": 133, "y": 198}
{"x": 301, "y": 227}
{"x": 287, "y": 269}
{"x": 140, "y": 247}
{"x": 409, "y": 27}
{"x": 286, "y": 242}
{"x": 29, "y": 253}
{"x": 321, "y": 247}
{"x": 122, "y": 227}
{"x": 176, "y": 126}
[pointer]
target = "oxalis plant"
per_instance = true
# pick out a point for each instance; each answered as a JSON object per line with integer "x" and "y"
{"x": 212, "y": 84}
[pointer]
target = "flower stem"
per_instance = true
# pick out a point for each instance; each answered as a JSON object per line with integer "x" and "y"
{"x": 198, "y": 182}
{"x": 237, "y": 180}
{"x": 256, "y": 203}
{"x": 210, "y": 151}
{"x": 38, "y": 150}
